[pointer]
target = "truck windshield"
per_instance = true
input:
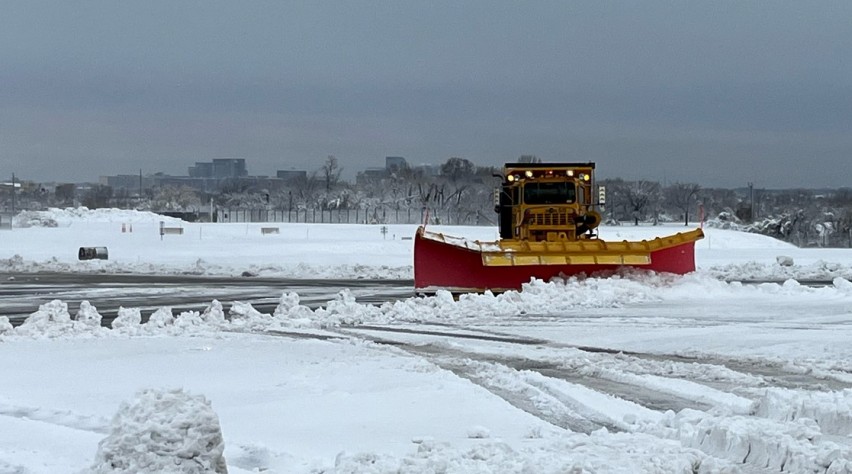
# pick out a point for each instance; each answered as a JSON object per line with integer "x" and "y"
{"x": 549, "y": 193}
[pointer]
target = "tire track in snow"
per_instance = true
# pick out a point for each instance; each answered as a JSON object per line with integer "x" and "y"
{"x": 7, "y": 468}
{"x": 658, "y": 381}
{"x": 643, "y": 396}
{"x": 538, "y": 401}
{"x": 773, "y": 373}
{"x": 770, "y": 373}
{"x": 759, "y": 442}
{"x": 630, "y": 387}
{"x": 611, "y": 372}
{"x": 67, "y": 419}
{"x": 535, "y": 400}
{"x": 769, "y": 439}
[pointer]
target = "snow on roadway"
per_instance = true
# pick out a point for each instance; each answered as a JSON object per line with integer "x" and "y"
{"x": 638, "y": 373}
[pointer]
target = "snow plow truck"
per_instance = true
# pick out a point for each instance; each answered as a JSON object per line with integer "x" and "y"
{"x": 548, "y": 220}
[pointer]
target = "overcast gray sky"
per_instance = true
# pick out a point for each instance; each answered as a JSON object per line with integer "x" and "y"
{"x": 718, "y": 93}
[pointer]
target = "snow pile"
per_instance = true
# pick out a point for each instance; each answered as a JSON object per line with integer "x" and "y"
{"x": 34, "y": 219}
{"x": 5, "y": 325}
{"x": 52, "y": 320}
{"x": 161, "y": 318}
{"x": 127, "y": 319}
{"x": 831, "y": 411}
{"x": 763, "y": 443}
{"x": 55, "y": 217}
{"x": 290, "y": 310}
{"x": 598, "y": 452}
{"x": 163, "y": 431}
{"x": 193, "y": 321}
{"x": 725, "y": 220}
{"x": 244, "y": 316}
{"x": 163, "y": 321}
{"x": 561, "y": 297}
{"x": 536, "y": 297}
{"x": 557, "y": 297}
{"x": 819, "y": 270}
{"x": 201, "y": 267}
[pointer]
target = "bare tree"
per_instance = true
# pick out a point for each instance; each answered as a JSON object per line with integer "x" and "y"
{"x": 641, "y": 195}
{"x": 682, "y": 196}
{"x": 431, "y": 194}
{"x": 233, "y": 186}
{"x": 331, "y": 172}
{"x": 306, "y": 189}
{"x": 458, "y": 169}
{"x": 97, "y": 197}
{"x": 176, "y": 198}
{"x": 65, "y": 194}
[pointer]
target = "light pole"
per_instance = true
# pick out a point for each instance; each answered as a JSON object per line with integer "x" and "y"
{"x": 751, "y": 199}
{"x": 13, "y": 195}
{"x": 14, "y": 184}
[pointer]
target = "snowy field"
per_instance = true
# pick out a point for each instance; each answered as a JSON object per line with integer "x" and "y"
{"x": 640, "y": 373}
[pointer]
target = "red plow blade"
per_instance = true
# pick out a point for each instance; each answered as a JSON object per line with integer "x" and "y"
{"x": 461, "y": 266}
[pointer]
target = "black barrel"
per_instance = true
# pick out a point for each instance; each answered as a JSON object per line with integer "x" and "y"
{"x": 93, "y": 253}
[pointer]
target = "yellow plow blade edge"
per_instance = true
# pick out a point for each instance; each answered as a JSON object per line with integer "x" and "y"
{"x": 582, "y": 252}
{"x": 510, "y": 260}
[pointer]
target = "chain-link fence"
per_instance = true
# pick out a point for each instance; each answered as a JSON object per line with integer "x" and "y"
{"x": 357, "y": 216}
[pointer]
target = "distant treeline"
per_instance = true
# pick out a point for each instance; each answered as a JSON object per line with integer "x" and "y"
{"x": 462, "y": 193}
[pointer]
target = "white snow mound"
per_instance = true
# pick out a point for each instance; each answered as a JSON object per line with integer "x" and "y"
{"x": 163, "y": 431}
{"x": 55, "y": 217}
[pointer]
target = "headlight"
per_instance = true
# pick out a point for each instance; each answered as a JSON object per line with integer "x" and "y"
{"x": 510, "y": 178}
{"x": 529, "y": 173}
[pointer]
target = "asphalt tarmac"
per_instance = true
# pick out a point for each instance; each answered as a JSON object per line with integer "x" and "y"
{"x": 21, "y": 294}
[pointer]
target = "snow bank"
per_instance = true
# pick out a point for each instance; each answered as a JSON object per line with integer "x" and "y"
{"x": 819, "y": 270}
{"x": 5, "y": 325}
{"x": 767, "y": 444}
{"x": 163, "y": 431}
{"x": 599, "y": 452}
{"x": 52, "y": 320}
{"x": 342, "y": 251}
{"x": 55, "y": 217}
{"x": 559, "y": 297}
{"x": 536, "y": 297}
{"x": 831, "y": 411}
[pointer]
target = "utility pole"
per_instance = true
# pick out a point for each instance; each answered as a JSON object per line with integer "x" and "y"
{"x": 13, "y": 195}
{"x": 751, "y": 199}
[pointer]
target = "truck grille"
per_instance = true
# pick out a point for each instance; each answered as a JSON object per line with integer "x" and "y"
{"x": 550, "y": 219}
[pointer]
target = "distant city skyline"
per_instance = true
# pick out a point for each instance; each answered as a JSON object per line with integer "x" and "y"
{"x": 131, "y": 180}
{"x": 717, "y": 93}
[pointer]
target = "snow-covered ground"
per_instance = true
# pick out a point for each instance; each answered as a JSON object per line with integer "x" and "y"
{"x": 637, "y": 373}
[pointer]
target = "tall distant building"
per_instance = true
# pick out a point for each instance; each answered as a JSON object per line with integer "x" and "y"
{"x": 292, "y": 175}
{"x": 219, "y": 168}
{"x": 395, "y": 163}
{"x": 229, "y": 168}
{"x": 201, "y": 170}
